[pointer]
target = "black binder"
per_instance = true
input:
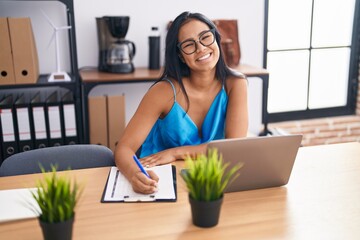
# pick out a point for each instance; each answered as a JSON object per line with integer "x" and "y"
{"x": 54, "y": 120}
{"x": 7, "y": 122}
{"x": 38, "y": 122}
{"x": 23, "y": 125}
{"x": 69, "y": 127}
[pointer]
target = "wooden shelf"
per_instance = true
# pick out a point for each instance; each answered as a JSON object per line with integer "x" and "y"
{"x": 144, "y": 74}
{"x": 140, "y": 74}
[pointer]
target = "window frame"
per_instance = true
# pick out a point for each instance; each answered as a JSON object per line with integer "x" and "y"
{"x": 350, "y": 107}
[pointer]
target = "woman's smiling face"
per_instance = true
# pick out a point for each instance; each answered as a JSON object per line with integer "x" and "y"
{"x": 204, "y": 58}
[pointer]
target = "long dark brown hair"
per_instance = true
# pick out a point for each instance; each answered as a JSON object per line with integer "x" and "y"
{"x": 176, "y": 69}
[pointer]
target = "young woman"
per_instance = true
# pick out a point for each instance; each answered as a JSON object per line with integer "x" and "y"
{"x": 197, "y": 99}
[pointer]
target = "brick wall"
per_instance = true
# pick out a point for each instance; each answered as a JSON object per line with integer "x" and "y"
{"x": 326, "y": 130}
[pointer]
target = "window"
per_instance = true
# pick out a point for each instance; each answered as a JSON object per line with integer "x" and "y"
{"x": 312, "y": 55}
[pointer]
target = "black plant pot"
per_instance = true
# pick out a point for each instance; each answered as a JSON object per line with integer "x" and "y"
{"x": 205, "y": 214}
{"x": 57, "y": 231}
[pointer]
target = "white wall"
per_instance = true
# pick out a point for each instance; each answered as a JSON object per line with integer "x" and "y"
{"x": 143, "y": 15}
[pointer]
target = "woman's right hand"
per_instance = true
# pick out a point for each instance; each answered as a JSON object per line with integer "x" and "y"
{"x": 142, "y": 184}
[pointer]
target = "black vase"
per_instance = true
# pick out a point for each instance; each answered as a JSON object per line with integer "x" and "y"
{"x": 57, "y": 231}
{"x": 205, "y": 214}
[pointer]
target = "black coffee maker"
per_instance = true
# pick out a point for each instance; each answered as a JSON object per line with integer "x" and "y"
{"x": 115, "y": 53}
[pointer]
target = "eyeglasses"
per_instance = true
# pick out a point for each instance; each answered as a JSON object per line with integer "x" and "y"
{"x": 206, "y": 39}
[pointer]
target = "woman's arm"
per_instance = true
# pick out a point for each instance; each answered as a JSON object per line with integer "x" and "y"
{"x": 173, "y": 154}
{"x": 158, "y": 99}
{"x": 237, "y": 110}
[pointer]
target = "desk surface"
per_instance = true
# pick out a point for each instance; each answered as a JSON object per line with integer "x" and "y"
{"x": 145, "y": 74}
{"x": 321, "y": 201}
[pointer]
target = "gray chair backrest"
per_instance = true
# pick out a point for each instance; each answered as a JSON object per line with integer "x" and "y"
{"x": 64, "y": 157}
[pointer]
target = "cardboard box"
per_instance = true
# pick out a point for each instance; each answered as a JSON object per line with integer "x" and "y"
{"x": 7, "y": 76}
{"x": 116, "y": 119}
{"x": 98, "y": 126}
{"x": 26, "y": 63}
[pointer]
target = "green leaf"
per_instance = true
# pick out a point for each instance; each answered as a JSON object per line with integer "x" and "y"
{"x": 207, "y": 176}
{"x": 56, "y": 196}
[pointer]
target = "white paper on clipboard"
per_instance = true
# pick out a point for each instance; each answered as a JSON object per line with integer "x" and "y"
{"x": 119, "y": 189}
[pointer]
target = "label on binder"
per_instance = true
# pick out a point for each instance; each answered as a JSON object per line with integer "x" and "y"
{"x": 39, "y": 122}
{"x": 54, "y": 122}
{"x": 70, "y": 120}
{"x": 23, "y": 123}
{"x": 7, "y": 125}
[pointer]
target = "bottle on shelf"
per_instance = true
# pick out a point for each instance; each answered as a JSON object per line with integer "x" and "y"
{"x": 154, "y": 48}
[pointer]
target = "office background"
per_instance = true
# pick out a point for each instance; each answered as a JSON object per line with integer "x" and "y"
{"x": 250, "y": 15}
{"x": 143, "y": 15}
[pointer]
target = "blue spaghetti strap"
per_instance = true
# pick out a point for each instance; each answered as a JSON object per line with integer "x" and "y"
{"x": 173, "y": 87}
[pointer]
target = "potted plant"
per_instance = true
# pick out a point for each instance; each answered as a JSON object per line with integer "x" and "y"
{"x": 57, "y": 197}
{"x": 206, "y": 178}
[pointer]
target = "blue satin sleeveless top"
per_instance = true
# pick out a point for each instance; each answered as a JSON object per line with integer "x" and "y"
{"x": 177, "y": 128}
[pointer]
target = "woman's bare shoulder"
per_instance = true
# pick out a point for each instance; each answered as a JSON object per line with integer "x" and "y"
{"x": 160, "y": 96}
{"x": 236, "y": 82}
{"x": 163, "y": 89}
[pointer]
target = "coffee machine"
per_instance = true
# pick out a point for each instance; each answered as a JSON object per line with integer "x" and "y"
{"x": 115, "y": 53}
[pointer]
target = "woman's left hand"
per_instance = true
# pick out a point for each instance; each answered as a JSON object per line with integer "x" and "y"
{"x": 159, "y": 158}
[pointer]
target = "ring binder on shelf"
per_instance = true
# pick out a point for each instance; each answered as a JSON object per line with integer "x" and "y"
{"x": 69, "y": 127}
{"x": 53, "y": 120}
{"x": 26, "y": 63}
{"x": 38, "y": 122}
{"x": 7, "y": 75}
{"x": 8, "y": 140}
{"x": 19, "y": 66}
{"x": 23, "y": 125}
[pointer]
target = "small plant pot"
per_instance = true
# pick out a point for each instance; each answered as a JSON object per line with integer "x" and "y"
{"x": 205, "y": 214}
{"x": 57, "y": 231}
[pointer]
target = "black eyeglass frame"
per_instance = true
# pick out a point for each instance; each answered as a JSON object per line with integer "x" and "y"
{"x": 212, "y": 30}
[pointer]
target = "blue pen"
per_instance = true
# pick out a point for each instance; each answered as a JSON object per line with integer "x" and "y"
{"x": 140, "y": 166}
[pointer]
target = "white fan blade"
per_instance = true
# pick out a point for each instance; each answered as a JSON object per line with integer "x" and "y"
{"x": 48, "y": 19}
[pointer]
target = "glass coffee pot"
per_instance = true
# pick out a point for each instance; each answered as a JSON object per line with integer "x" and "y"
{"x": 116, "y": 53}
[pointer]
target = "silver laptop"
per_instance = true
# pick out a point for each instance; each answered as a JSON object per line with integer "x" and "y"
{"x": 268, "y": 161}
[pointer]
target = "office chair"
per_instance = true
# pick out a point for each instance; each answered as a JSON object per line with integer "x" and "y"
{"x": 64, "y": 157}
